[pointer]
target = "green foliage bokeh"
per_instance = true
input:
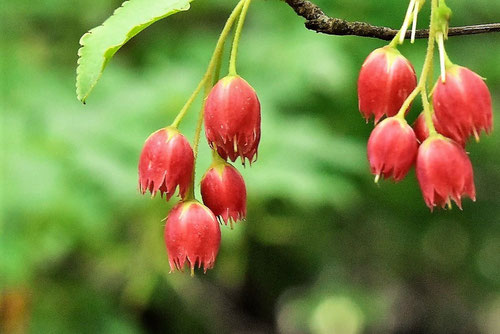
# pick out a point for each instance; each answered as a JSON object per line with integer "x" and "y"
{"x": 324, "y": 250}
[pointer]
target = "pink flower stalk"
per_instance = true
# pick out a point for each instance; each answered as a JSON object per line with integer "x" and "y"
{"x": 166, "y": 162}
{"x": 385, "y": 81}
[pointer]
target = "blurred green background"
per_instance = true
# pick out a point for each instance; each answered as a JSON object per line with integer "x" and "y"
{"x": 324, "y": 249}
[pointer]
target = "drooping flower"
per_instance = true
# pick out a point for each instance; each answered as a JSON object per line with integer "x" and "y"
{"x": 385, "y": 81}
{"x": 444, "y": 172}
{"x": 232, "y": 119}
{"x": 223, "y": 191}
{"x": 392, "y": 149}
{"x": 420, "y": 128}
{"x": 422, "y": 132}
{"x": 462, "y": 104}
{"x": 166, "y": 162}
{"x": 192, "y": 233}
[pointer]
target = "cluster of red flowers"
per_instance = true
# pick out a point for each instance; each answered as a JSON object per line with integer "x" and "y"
{"x": 387, "y": 84}
{"x": 461, "y": 108}
{"x": 232, "y": 127}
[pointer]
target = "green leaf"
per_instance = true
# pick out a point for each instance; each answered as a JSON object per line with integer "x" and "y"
{"x": 102, "y": 42}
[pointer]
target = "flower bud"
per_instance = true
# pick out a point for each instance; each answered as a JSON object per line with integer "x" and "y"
{"x": 392, "y": 149}
{"x": 224, "y": 192}
{"x": 444, "y": 171}
{"x": 192, "y": 233}
{"x": 385, "y": 81}
{"x": 462, "y": 104}
{"x": 232, "y": 119}
{"x": 166, "y": 162}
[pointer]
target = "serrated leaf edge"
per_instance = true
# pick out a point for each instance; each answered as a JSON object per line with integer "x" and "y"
{"x": 128, "y": 36}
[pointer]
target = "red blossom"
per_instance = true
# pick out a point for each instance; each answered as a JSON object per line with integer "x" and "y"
{"x": 232, "y": 119}
{"x": 392, "y": 149}
{"x": 420, "y": 128}
{"x": 444, "y": 172}
{"x": 166, "y": 162}
{"x": 385, "y": 81}
{"x": 192, "y": 233}
{"x": 462, "y": 104}
{"x": 224, "y": 192}
{"x": 422, "y": 132}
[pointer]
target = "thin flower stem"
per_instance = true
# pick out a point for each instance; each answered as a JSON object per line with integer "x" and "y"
{"x": 432, "y": 90}
{"x": 215, "y": 155}
{"x": 216, "y": 75}
{"x": 214, "y": 61}
{"x": 426, "y": 68}
{"x": 430, "y": 78}
{"x": 395, "y": 40}
{"x": 207, "y": 83}
{"x": 188, "y": 104}
{"x": 422, "y": 82}
{"x": 199, "y": 124}
{"x": 197, "y": 136}
{"x": 414, "y": 26}
{"x": 216, "y": 158}
{"x": 406, "y": 104}
{"x": 236, "y": 41}
{"x": 428, "y": 114}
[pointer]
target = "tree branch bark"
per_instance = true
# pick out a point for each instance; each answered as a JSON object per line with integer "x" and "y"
{"x": 318, "y": 21}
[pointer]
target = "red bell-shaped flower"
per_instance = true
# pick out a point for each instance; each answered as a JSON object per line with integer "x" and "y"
{"x": 444, "y": 171}
{"x": 392, "y": 149}
{"x": 422, "y": 132}
{"x": 462, "y": 104}
{"x": 420, "y": 128}
{"x": 224, "y": 192}
{"x": 166, "y": 162}
{"x": 232, "y": 119}
{"x": 192, "y": 233}
{"x": 385, "y": 81}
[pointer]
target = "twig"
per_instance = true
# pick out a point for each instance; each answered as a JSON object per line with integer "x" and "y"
{"x": 317, "y": 20}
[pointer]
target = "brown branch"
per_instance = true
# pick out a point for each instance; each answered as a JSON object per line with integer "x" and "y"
{"x": 317, "y": 20}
